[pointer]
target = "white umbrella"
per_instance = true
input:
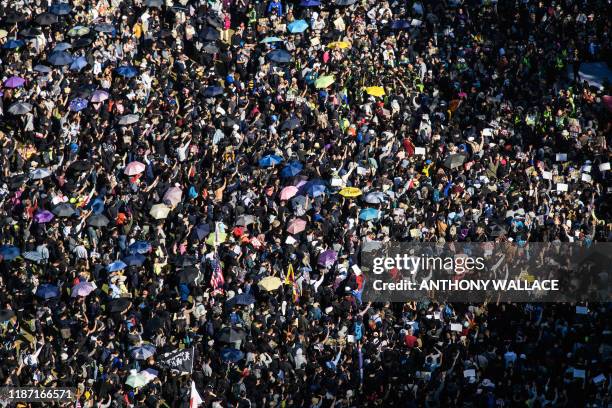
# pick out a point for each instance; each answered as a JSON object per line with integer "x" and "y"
{"x": 40, "y": 174}
{"x": 159, "y": 211}
{"x": 128, "y": 119}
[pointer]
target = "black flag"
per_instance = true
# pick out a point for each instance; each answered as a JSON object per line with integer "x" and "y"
{"x": 181, "y": 360}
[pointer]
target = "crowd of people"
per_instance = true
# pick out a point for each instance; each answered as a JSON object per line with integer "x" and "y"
{"x": 201, "y": 174}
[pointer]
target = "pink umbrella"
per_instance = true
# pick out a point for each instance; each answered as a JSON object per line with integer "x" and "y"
{"x": 134, "y": 168}
{"x": 99, "y": 96}
{"x": 298, "y": 225}
{"x": 174, "y": 195}
{"x": 288, "y": 192}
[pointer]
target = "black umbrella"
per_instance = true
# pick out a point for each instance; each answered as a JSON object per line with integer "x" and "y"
{"x": 153, "y": 325}
{"x": 154, "y": 3}
{"x": 64, "y": 210}
{"x": 6, "y": 315}
{"x": 30, "y": 32}
{"x": 119, "y": 304}
{"x": 18, "y": 180}
{"x": 201, "y": 231}
{"x": 231, "y": 335}
{"x": 82, "y": 42}
{"x": 104, "y": 28}
{"x": 291, "y": 123}
{"x": 187, "y": 261}
{"x": 98, "y": 220}
{"x": 14, "y": 17}
{"x": 497, "y": 230}
{"x": 79, "y": 166}
{"x": 188, "y": 274}
{"x": 243, "y": 299}
{"x": 279, "y": 56}
{"x": 209, "y": 34}
{"x": 46, "y": 19}
{"x": 212, "y": 91}
{"x": 345, "y": 2}
{"x": 215, "y": 21}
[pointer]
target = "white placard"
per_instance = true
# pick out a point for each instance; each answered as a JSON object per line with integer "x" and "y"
{"x": 456, "y": 327}
{"x": 419, "y": 151}
{"x": 350, "y": 338}
{"x": 429, "y": 317}
{"x": 336, "y": 182}
{"x": 586, "y": 168}
{"x": 586, "y": 177}
{"x": 547, "y": 175}
{"x": 561, "y": 157}
{"x": 604, "y": 166}
{"x": 562, "y": 187}
{"x": 469, "y": 373}
{"x": 600, "y": 378}
{"x": 361, "y": 171}
{"x": 290, "y": 240}
{"x": 579, "y": 373}
{"x": 582, "y": 310}
{"x": 487, "y": 132}
{"x": 356, "y": 269}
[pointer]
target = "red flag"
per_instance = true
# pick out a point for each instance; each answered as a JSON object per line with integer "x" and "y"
{"x": 217, "y": 280}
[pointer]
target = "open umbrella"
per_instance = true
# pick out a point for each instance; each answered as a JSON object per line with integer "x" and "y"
{"x": 270, "y": 160}
{"x": 231, "y": 355}
{"x": 173, "y": 195}
{"x": 136, "y": 380}
{"x": 140, "y": 247}
{"x": 242, "y": 299}
{"x": 30, "y": 32}
{"x": 291, "y": 123}
{"x": 454, "y": 160}
{"x": 78, "y": 64}
{"x": 375, "y": 197}
{"x": 47, "y": 291}
{"x": 350, "y": 192}
{"x": 128, "y": 119}
{"x": 209, "y": 34}
{"x": 297, "y": 26}
{"x": 288, "y": 192}
{"x": 64, "y": 210}
{"x": 60, "y": 9}
{"x": 400, "y": 25}
{"x": 300, "y": 201}
{"x": 78, "y": 31}
{"x": 310, "y": 3}
{"x": 6, "y": 314}
{"x": 82, "y": 289}
{"x": 268, "y": 40}
{"x": 215, "y": 239}
{"x": 154, "y": 3}
{"x": 368, "y": 214}
{"x": 13, "y": 44}
{"x": 98, "y": 220}
{"x": 43, "y": 217}
{"x": 324, "y": 81}
{"x": 159, "y": 211}
{"x": 20, "y": 108}
{"x": 59, "y": 58}
{"x": 42, "y": 69}
{"x": 212, "y": 91}
{"x": 327, "y": 258}
{"x": 188, "y": 274}
{"x": 345, "y": 2}
{"x": 14, "y": 82}
{"x": 279, "y": 56}
{"x": 315, "y": 188}
{"x": 375, "y": 91}
{"x": 46, "y": 19}
{"x": 296, "y": 226}
{"x": 63, "y": 46}
{"x": 78, "y": 104}
{"x": 270, "y": 283}
{"x": 13, "y": 17}
{"x": 33, "y": 256}
{"x": 134, "y": 260}
{"x": 339, "y": 45}
{"x": 3, "y": 33}
{"x": 292, "y": 169}
{"x": 119, "y": 304}
{"x": 116, "y": 266}
{"x": 231, "y": 334}
{"x": 245, "y": 220}
{"x": 39, "y": 174}
{"x": 210, "y": 48}
{"x": 9, "y": 252}
{"x": 134, "y": 168}
{"x": 104, "y": 28}
{"x": 127, "y": 71}
{"x": 81, "y": 43}
{"x": 201, "y": 231}
{"x": 99, "y": 96}
{"x": 142, "y": 352}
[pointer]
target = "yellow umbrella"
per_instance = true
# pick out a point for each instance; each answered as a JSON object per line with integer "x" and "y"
{"x": 350, "y": 192}
{"x": 375, "y": 90}
{"x": 339, "y": 45}
{"x": 270, "y": 283}
{"x": 221, "y": 237}
{"x": 324, "y": 81}
{"x": 159, "y": 211}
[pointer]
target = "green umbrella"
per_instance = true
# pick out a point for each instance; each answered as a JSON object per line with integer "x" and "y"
{"x": 324, "y": 81}
{"x": 137, "y": 380}
{"x": 221, "y": 237}
{"x": 78, "y": 31}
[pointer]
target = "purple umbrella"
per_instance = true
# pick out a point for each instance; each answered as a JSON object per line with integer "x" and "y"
{"x": 99, "y": 96}
{"x": 82, "y": 289}
{"x": 43, "y": 216}
{"x": 78, "y": 104}
{"x": 14, "y": 82}
{"x": 328, "y": 258}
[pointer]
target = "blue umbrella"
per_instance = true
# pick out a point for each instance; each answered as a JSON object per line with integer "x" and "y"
{"x": 63, "y": 46}
{"x": 78, "y": 104}
{"x": 232, "y": 355}
{"x": 211, "y": 91}
{"x": 60, "y": 58}
{"x": 315, "y": 188}
{"x": 244, "y": 299}
{"x": 298, "y": 26}
{"x": 292, "y": 169}
{"x": 47, "y": 291}
{"x": 270, "y": 160}
{"x": 310, "y": 3}
{"x": 143, "y": 352}
{"x": 369, "y": 214}
{"x": 135, "y": 260}
{"x": 268, "y": 40}
{"x": 116, "y": 266}
{"x": 140, "y": 247}
{"x": 78, "y": 64}
{"x": 9, "y": 252}
{"x": 127, "y": 71}
{"x": 400, "y": 25}
{"x": 60, "y": 9}
{"x": 279, "y": 56}
{"x": 201, "y": 231}
{"x": 42, "y": 69}
{"x": 12, "y": 44}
